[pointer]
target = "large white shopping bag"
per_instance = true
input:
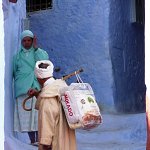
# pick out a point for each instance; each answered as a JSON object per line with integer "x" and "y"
{"x": 80, "y": 106}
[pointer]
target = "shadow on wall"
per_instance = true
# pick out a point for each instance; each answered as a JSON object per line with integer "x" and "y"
{"x": 127, "y": 55}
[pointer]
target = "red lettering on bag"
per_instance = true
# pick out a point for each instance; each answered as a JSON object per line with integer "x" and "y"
{"x": 68, "y": 105}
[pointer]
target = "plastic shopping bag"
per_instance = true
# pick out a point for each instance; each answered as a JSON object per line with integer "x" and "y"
{"x": 80, "y": 106}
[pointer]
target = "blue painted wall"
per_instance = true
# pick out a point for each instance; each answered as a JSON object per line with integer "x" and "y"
{"x": 75, "y": 34}
{"x": 127, "y": 53}
{"x": 96, "y": 35}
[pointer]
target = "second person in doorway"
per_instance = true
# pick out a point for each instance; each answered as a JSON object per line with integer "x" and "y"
{"x": 24, "y": 79}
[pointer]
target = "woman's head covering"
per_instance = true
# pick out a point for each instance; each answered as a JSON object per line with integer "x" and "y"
{"x": 44, "y": 69}
{"x": 26, "y": 33}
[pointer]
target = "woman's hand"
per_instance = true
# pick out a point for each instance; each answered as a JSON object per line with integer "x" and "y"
{"x": 35, "y": 42}
{"x": 33, "y": 92}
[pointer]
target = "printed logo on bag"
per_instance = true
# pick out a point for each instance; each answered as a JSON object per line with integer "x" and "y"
{"x": 90, "y": 100}
{"x": 83, "y": 101}
{"x": 68, "y": 105}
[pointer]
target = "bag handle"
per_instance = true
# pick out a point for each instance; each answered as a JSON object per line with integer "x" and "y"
{"x": 78, "y": 78}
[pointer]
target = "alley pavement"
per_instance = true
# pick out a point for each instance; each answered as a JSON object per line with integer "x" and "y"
{"x": 117, "y": 132}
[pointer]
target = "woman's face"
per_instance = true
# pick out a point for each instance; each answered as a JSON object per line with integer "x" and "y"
{"x": 27, "y": 42}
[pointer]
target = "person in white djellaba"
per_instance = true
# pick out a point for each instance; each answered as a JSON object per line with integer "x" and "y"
{"x": 54, "y": 132}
